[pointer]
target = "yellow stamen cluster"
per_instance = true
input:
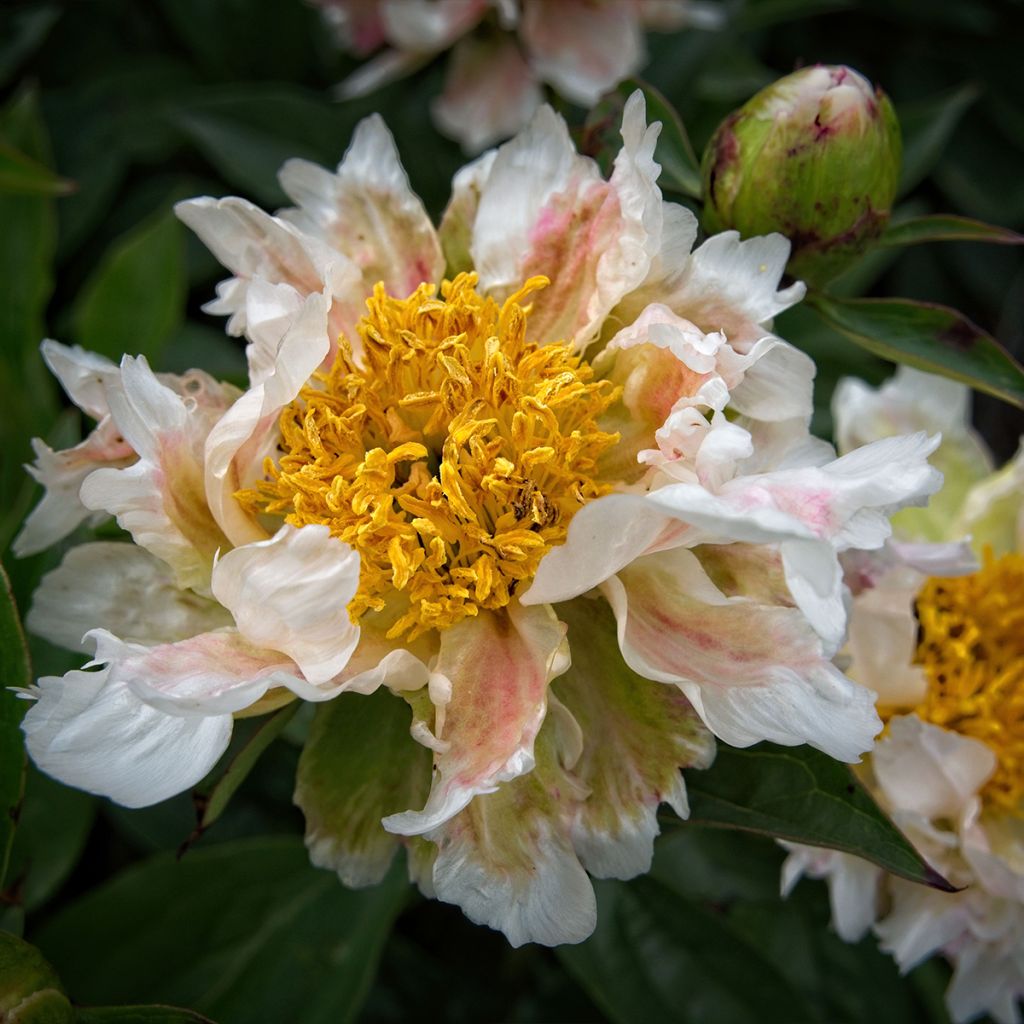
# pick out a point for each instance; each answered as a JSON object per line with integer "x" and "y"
{"x": 972, "y": 651}
{"x": 451, "y": 453}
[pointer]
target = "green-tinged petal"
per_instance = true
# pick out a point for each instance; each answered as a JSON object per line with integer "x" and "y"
{"x": 359, "y": 764}
{"x": 508, "y": 861}
{"x": 636, "y": 736}
{"x": 993, "y": 510}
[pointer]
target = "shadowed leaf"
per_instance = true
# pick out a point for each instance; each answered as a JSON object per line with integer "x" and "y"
{"x": 945, "y": 227}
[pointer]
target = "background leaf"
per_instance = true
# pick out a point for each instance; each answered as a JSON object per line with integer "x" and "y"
{"x": 928, "y": 336}
{"x": 927, "y": 127}
{"x": 944, "y": 227}
{"x": 803, "y": 795}
{"x": 14, "y": 671}
{"x": 245, "y": 932}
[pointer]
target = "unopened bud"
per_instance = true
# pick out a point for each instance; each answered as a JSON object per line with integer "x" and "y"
{"x": 816, "y": 157}
{"x": 30, "y": 991}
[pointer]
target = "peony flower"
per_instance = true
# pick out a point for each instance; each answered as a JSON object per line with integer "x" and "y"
{"x": 527, "y": 503}
{"x": 941, "y": 640}
{"x": 504, "y": 52}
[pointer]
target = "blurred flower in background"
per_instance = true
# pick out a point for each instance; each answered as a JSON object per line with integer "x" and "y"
{"x": 940, "y": 639}
{"x": 545, "y": 428}
{"x": 505, "y": 51}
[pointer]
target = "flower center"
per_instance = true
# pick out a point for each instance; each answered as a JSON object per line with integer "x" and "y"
{"x": 451, "y": 454}
{"x": 972, "y": 651}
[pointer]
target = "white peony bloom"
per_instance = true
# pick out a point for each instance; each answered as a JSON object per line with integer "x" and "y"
{"x": 537, "y": 486}
{"x": 941, "y": 641}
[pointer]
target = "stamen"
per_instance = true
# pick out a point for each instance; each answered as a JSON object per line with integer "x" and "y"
{"x": 452, "y": 454}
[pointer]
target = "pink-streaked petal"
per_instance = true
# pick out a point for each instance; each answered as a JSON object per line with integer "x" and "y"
{"x": 212, "y": 673}
{"x": 582, "y": 49}
{"x": 123, "y": 588}
{"x": 508, "y": 861}
{"x": 499, "y": 666}
{"x": 636, "y": 735}
{"x": 489, "y": 93}
{"x": 92, "y": 732}
{"x": 160, "y": 499}
{"x": 290, "y": 593}
{"x": 604, "y": 536}
{"x": 367, "y": 212}
{"x": 596, "y": 243}
{"x": 238, "y": 442}
{"x": 60, "y": 511}
{"x": 359, "y": 24}
{"x": 928, "y": 770}
{"x": 751, "y": 671}
{"x": 528, "y": 172}
{"x": 83, "y": 375}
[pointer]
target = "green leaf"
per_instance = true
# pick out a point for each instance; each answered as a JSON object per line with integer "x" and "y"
{"x": 805, "y": 796}
{"x": 929, "y": 336}
{"x": 134, "y": 301}
{"x": 656, "y": 956}
{"x": 213, "y": 794}
{"x": 244, "y": 932}
{"x": 680, "y": 169}
{"x": 23, "y": 176}
{"x": 14, "y": 671}
{"x": 30, "y": 990}
{"x": 22, "y": 31}
{"x": 945, "y": 227}
{"x": 927, "y": 128}
{"x": 761, "y": 14}
{"x": 359, "y": 765}
{"x": 53, "y": 828}
{"x": 138, "y": 1015}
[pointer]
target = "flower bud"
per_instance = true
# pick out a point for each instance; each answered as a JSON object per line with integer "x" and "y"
{"x": 816, "y": 157}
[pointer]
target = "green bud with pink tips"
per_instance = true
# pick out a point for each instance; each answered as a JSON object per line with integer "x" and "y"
{"x": 816, "y": 157}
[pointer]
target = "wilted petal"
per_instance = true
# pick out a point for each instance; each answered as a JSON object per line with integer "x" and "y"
{"x": 508, "y": 861}
{"x": 94, "y": 733}
{"x": 122, "y": 588}
{"x": 489, "y": 93}
{"x": 358, "y": 765}
{"x": 367, "y": 212}
{"x": 637, "y": 734}
{"x": 160, "y": 499}
{"x": 499, "y": 666}
{"x": 752, "y": 671}
{"x": 291, "y": 593}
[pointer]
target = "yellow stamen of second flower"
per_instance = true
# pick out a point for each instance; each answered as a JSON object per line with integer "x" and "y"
{"x": 451, "y": 454}
{"x": 972, "y": 651}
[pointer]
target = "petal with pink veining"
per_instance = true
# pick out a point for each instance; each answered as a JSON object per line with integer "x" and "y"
{"x": 752, "y": 671}
{"x": 498, "y": 666}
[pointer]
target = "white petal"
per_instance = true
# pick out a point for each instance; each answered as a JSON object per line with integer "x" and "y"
{"x": 291, "y": 593}
{"x": 83, "y": 375}
{"x": 95, "y": 734}
{"x": 367, "y": 212}
{"x": 751, "y": 671}
{"x": 160, "y": 499}
{"x": 120, "y": 587}
{"x": 923, "y": 768}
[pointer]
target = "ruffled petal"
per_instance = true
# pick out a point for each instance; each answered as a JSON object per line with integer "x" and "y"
{"x": 636, "y": 737}
{"x": 160, "y": 499}
{"x": 751, "y": 671}
{"x": 122, "y": 588}
{"x": 358, "y": 765}
{"x": 508, "y": 861}
{"x": 92, "y": 732}
{"x": 496, "y": 668}
{"x": 367, "y": 212}
{"x": 489, "y": 93}
{"x": 290, "y": 593}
